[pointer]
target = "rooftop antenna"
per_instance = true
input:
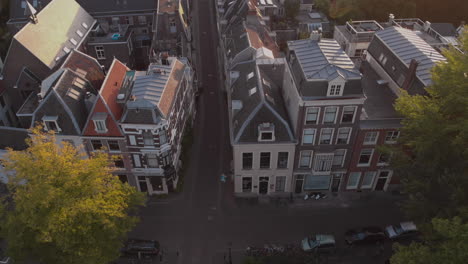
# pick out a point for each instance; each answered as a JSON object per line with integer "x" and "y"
{"x": 31, "y": 12}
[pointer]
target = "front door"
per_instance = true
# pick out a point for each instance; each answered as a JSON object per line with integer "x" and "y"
{"x": 382, "y": 180}
{"x": 263, "y": 185}
{"x": 299, "y": 183}
{"x": 336, "y": 182}
{"x": 142, "y": 183}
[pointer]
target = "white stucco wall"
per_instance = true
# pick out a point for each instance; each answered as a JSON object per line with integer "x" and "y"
{"x": 256, "y": 172}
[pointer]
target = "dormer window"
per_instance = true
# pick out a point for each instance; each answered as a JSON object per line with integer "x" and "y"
{"x": 99, "y": 120}
{"x": 266, "y": 132}
{"x": 335, "y": 89}
{"x": 50, "y": 123}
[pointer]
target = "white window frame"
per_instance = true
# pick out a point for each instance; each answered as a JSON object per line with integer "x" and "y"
{"x": 369, "y": 186}
{"x": 307, "y": 113}
{"x": 112, "y": 150}
{"x": 132, "y": 140}
{"x": 242, "y": 161}
{"x": 301, "y": 156}
{"x": 137, "y": 160}
{"x": 260, "y": 160}
{"x": 347, "y": 138}
{"x": 331, "y": 136}
{"x": 354, "y": 114}
{"x": 342, "y": 160}
{"x": 393, "y": 136}
{"x": 287, "y": 160}
{"x": 46, "y": 119}
{"x": 370, "y": 158}
{"x": 100, "y": 53}
{"x": 314, "y": 135}
{"x": 353, "y": 187}
{"x": 97, "y": 126}
{"x": 267, "y": 140}
{"x": 333, "y": 86}
{"x": 323, "y": 157}
{"x": 371, "y": 142}
{"x": 383, "y": 163}
{"x": 325, "y": 114}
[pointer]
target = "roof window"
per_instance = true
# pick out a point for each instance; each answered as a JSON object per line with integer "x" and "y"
{"x": 252, "y": 91}
{"x": 67, "y": 50}
{"x": 79, "y": 33}
{"x": 73, "y": 41}
{"x": 250, "y": 76}
{"x": 84, "y": 25}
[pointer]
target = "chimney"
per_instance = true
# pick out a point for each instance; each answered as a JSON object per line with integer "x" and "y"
{"x": 411, "y": 75}
{"x": 391, "y": 19}
{"x": 31, "y": 12}
{"x": 427, "y": 26}
{"x": 315, "y": 35}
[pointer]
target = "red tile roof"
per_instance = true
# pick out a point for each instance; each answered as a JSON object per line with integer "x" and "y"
{"x": 107, "y": 102}
{"x": 170, "y": 90}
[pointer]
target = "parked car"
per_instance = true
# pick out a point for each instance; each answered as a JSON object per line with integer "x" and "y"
{"x": 319, "y": 243}
{"x": 403, "y": 230}
{"x": 365, "y": 235}
{"x": 135, "y": 247}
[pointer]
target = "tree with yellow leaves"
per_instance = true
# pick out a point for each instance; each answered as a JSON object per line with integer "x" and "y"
{"x": 65, "y": 207}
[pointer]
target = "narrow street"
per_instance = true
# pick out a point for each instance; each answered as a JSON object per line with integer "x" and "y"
{"x": 200, "y": 224}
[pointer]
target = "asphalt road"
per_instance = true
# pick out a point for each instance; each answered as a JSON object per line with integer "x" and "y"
{"x": 200, "y": 224}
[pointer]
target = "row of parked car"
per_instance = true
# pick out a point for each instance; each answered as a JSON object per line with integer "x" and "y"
{"x": 365, "y": 235}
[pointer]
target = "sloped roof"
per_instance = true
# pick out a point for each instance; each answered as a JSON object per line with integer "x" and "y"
{"x": 257, "y": 87}
{"x": 127, "y": 6}
{"x": 407, "y": 45}
{"x": 323, "y": 59}
{"x": 13, "y": 138}
{"x": 57, "y": 23}
{"x": 107, "y": 101}
{"x": 86, "y": 65}
{"x": 237, "y": 40}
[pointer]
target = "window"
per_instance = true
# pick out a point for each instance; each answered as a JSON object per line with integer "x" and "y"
{"x": 312, "y": 114}
{"x": 132, "y": 140}
{"x": 306, "y": 157}
{"x": 129, "y": 20}
{"x": 50, "y": 123}
{"x": 339, "y": 157}
{"x": 382, "y": 58}
{"x": 100, "y": 126}
{"x": 335, "y": 89}
{"x": 97, "y": 144}
{"x": 113, "y": 145}
{"x": 343, "y": 135}
{"x": 392, "y": 136}
{"x": 280, "y": 183}
{"x": 247, "y": 161}
{"x": 152, "y": 160}
{"x": 266, "y": 136}
{"x": 365, "y": 157}
{"x": 265, "y": 160}
{"x": 371, "y": 138}
{"x": 79, "y": 33}
{"x": 172, "y": 25}
{"x": 115, "y": 21}
{"x": 384, "y": 159}
{"x": 309, "y": 136}
{"x": 348, "y": 114}
{"x": 118, "y": 162}
{"x": 142, "y": 20}
{"x": 247, "y": 184}
{"x": 73, "y": 41}
{"x": 358, "y": 52}
{"x": 323, "y": 162}
{"x": 326, "y": 136}
{"x": 136, "y": 161}
{"x": 330, "y": 115}
{"x": 368, "y": 180}
{"x": 353, "y": 180}
{"x": 100, "y": 52}
{"x": 162, "y": 137}
{"x": 148, "y": 138}
{"x": 283, "y": 160}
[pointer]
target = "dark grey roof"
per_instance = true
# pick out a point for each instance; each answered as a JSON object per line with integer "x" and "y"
{"x": 263, "y": 104}
{"x": 380, "y": 98}
{"x": 235, "y": 11}
{"x": 13, "y": 138}
{"x": 141, "y": 116}
{"x": 407, "y": 46}
{"x": 237, "y": 40}
{"x": 17, "y": 7}
{"x": 126, "y": 6}
{"x": 445, "y": 29}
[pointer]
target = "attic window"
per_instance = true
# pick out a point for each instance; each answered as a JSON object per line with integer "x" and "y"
{"x": 84, "y": 25}
{"x": 78, "y": 82}
{"x": 57, "y": 58}
{"x": 99, "y": 120}
{"x": 67, "y": 50}
{"x": 266, "y": 132}
{"x": 73, "y": 41}
{"x": 250, "y": 76}
{"x": 252, "y": 91}
{"x": 50, "y": 123}
{"x": 73, "y": 93}
{"x": 81, "y": 73}
{"x": 79, "y": 33}
{"x": 335, "y": 88}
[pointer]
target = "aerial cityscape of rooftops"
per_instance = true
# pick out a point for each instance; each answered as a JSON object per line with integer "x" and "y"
{"x": 233, "y": 131}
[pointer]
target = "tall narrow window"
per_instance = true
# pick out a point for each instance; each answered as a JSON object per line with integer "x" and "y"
{"x": 348, "y": 114}
{"x": 247, "y": 160}
{"x": 283, "y": 160}
{"x": 136, "y": 160}
{"x": 162, "y": 137}
{"x": 304, "y": 161}
{"x": 343, "y": 135}
{"x": 353, "y": 180}
{"x": 312, "y": 115}
{"x": 330, "y": 115}
{"x": 326, "y": 136}
{"x": 148, "y": 138}
{"x": 265, "y": 160}
{"x": 365, "y": 157}
{"x": 339, "y": 157}
{"x": 309, "y": 136}
{"x": 100, "y": 52}
{"x": 132, "y": 140}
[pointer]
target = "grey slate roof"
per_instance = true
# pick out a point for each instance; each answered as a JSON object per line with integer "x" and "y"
{"x": 265, "y": 105}
{"x": 237, "y": 40}
{"x": 103, "y": 6}
{"x": 13, "y": 138}
{"x": 323, "y": 59}
{"x": 407, "y": 45}
{"x": 445, "y": 29}
{"x": 235, "y": 12}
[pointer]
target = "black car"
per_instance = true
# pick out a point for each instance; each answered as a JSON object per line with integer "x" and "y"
{"x": 365, "y": 235}
{"x": 135, "y": 247}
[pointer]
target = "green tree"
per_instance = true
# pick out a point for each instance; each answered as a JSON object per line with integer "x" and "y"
{"x": 449, "y": 245}
{"x": 65, "y": 207}
{"x": 291, "y": 8}
{"x": 323, "y": 6}
{"x": 434, "y": 169}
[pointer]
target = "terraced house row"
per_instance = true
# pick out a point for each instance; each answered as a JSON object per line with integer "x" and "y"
{"x": 307, "y": 117}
